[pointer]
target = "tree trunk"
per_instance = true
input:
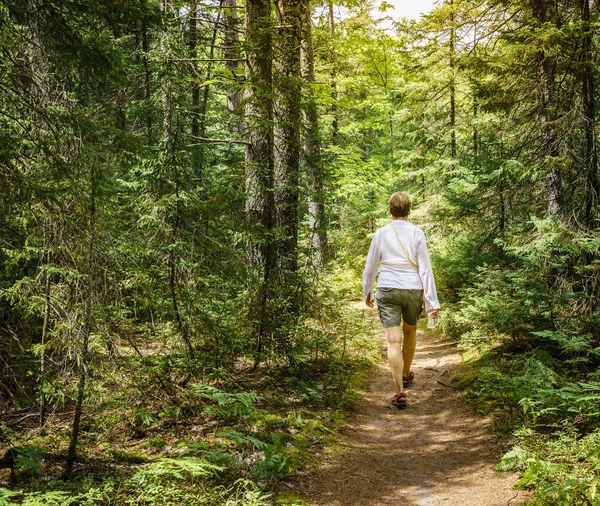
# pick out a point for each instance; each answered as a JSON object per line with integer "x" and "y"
{"x": 87, "y": 324}
{"x": 287, "y": 87}
{"x": 259, "y": 111}
{"x": 259, "y": 158}
{"x": 145, "y": 50}
{"x": 43, "y": 351}
{"x": 589, "y": 113}
{"x": 333, "y": 74}
{"x": 175, "y": 220}
{"x": 452, "y": 87}
{"x": 545, "y": 91}
{"x": 195, "y": 91}
{"x": 475, "y": 130}
{"x": 231, "y": 53}
{"x": 312, "y": 147}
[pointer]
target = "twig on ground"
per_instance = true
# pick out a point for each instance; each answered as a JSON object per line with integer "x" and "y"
{"x": 512, "y": 498}
{"x": 447, "y": 385}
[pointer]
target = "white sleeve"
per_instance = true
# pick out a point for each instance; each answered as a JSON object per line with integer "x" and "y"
{"x": 426, "y": 275}
{"x": 371, "y": 267}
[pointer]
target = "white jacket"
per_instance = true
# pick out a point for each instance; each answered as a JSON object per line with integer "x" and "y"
{"x": 396, "y": 269}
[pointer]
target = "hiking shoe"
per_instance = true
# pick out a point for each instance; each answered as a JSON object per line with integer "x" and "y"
{"x": 407, "y": 380}
{"x": 399, "y": 400}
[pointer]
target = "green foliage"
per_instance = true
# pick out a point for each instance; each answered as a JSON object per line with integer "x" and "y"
{"x": 180, "y": 469}
{"x": 124, "y": 228}
{"x": 29, "y": 457}
{"x": 6, "y": 495}
{"x": 227, "y": 404}
{"x": 275, "y": 465}
{"x": 131, "y": 457}
{"x": 554, "y": 468}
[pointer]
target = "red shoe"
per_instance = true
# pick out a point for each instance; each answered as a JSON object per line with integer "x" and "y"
{"x": 399, "y": 400}
{"x": 407, "y": 380}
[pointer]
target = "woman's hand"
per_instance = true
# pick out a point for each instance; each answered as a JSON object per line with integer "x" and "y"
{"x": 370, "y": 302}
{"x": 435, "y": 313}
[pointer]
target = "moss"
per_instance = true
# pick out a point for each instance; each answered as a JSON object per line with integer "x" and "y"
{"x": 287, "y": 499}
{"x": 129, "y": 457}
{"x": 299, "y": 458}
{"x": 262, "y": 420}
{"x": 315, "y": 428}
{"x": 301, "y": 441}
{"x": 153, "y": 443}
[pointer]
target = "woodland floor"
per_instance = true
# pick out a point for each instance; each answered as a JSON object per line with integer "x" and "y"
{"x": 435, "y": 452}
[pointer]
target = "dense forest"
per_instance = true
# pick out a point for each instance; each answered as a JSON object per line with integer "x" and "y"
{"x": 189, "y": 190}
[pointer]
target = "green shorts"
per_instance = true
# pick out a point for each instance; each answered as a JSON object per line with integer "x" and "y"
{"x": 397, "y": 304}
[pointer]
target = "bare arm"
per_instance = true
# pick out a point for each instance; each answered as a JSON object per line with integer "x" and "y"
{"x": 370, "y": 272}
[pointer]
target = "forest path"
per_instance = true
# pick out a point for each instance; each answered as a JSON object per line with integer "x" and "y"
{"x": 435, "y": 452}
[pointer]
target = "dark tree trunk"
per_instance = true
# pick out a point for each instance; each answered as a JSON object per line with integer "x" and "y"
{"x": 259, "y": 112}
{"x": 145, "y": 50}
{"x": 209, "y": 74}
{"x": 287, "y": 87}
{"x": 259, "y": 159}
{"x": 589, "y": 113}
{"x": 333, "y": 74}
{"x": 475, "y": 130}
{"x": 195, "y": 91}
{"x": 312, "y": 147}
{"x": 43, "y": 351}
{"x": 86, "y": 327}
{"x": 169, "y": 146}
{"x": 545, "y": 90}
{"x": 452, "y": 87}
{"x": 231, "y": 53}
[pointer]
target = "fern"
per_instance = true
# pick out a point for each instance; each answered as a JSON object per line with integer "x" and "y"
{"x": 5, "y": 496}
{"x": 29, "y": 457}
{"x": 242, "y": 439}
{"x": 176, "y": 468}
{"x": 51, "y": 498}
{"x": 227, "y": 404}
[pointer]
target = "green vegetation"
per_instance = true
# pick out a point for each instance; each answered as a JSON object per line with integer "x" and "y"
{"x": 189, "y": 189}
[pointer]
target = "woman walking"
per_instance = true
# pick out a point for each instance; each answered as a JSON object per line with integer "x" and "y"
{"x": 405, "y": 281}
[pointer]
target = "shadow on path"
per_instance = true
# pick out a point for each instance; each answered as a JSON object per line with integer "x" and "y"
{"x": 435, "y": 452}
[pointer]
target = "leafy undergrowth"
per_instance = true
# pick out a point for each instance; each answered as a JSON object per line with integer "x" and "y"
{"x": 546, "y": 411}
{"x": 227, "y": 436}
{"x": 528, "y": 319}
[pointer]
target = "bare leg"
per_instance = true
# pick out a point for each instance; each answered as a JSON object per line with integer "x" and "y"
{"x": 410, "y": 344}
{"x": 394, "y": 339}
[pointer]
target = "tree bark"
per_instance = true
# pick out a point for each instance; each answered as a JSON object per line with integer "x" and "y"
{"x": 452, "y": 87}
{"x": 333, "y": 74}
{"x": 145, "y": 50}
{"x": 195, "y": 91}
{"x": 545, "y": 91}
{"x": 167, "y": 137}
{"x": 589, "y": 114}
{"x": 287, "y": 109}
{"x": 312, "y": 146}
{"x": 231, "y": 54}
{"x": 259, "y": 161}
{"x": 259, "y": 112}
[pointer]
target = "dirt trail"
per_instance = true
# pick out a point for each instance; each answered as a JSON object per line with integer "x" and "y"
{"x": 435, "y": 452}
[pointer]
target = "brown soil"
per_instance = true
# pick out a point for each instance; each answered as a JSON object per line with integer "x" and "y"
{"x": 434, "y": 452}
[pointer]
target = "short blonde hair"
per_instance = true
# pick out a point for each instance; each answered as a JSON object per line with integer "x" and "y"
{"x": 400, "y": 205}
